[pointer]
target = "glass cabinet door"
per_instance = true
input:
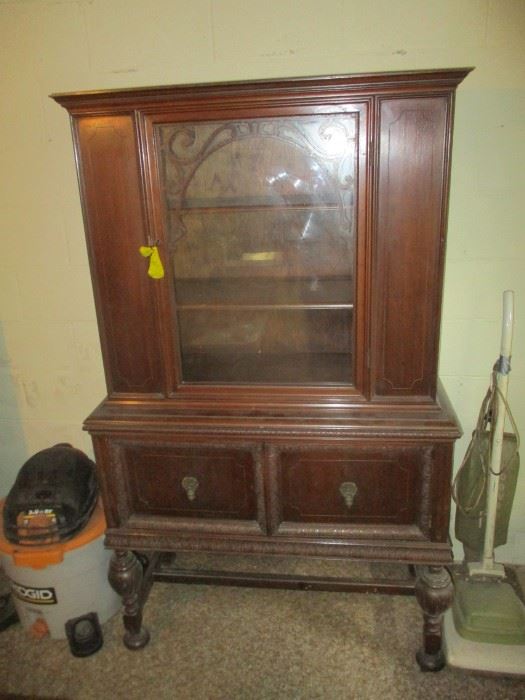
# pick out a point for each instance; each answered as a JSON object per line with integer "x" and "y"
{"x": 260, "y": 221}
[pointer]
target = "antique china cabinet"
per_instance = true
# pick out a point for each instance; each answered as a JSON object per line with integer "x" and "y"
{"x": 273, "y": 389}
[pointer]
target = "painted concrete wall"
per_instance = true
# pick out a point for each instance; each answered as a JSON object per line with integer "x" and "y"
{"x": 50, "y": 370}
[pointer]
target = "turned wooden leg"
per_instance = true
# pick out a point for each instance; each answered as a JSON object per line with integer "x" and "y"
{"x": 126, "y": 577}
{"x": 434, "y": 592}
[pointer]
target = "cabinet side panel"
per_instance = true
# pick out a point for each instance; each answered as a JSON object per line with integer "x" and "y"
{"x": 411, "y": 187}
{"x": 110, "y": 183}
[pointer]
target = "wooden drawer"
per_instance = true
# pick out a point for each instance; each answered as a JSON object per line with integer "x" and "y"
{"x": 340, "y": 486}
{"x": 193, "y": 481}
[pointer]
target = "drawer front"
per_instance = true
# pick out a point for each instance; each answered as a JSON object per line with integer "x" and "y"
{"x": 193, "y": 481}
{"x": 349, "y": 486}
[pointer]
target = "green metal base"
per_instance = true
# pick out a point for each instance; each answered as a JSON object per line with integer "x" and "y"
{"x": 488, "y": 611}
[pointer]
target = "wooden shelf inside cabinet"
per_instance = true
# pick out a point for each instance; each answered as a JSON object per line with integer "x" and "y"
{"x": 276, "y": 393}
{"x": 261, "y": 307}
{"x": 265, "y": 292}
{"x": 255, "y": 205}
{"x": 248, "y": 368}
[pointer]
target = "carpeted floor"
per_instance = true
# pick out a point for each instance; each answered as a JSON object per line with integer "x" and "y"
{"x": 221, "y": 643}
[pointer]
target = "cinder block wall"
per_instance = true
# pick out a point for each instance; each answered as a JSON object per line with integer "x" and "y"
{"x": 50, "y": 370}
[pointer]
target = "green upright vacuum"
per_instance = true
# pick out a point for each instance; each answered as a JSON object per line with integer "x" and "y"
{"x": 485, "y": 629}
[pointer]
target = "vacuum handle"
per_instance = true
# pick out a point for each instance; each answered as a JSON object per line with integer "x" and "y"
{"x": 502, "y": 379}
{"x": 508, "y": 324}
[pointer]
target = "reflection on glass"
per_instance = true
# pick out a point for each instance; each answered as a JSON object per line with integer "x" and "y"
{"x": 261, "y": 230}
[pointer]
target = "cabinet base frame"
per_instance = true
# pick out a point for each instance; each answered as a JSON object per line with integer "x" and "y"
{"x": 132, "y": 575}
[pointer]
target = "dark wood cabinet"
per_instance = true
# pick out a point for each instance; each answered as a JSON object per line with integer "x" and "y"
{"x": 275, "y": 391}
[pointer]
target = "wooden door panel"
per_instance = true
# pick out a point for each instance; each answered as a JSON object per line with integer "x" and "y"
{"x": 323, "y": 488}
{"x": 413, "y": 150}
{"x": 192, "y": 481}
{"x": 113, "y": 212}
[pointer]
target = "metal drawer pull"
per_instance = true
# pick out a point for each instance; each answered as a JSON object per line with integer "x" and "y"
{"x": 190, "y": 484}
{"x": 348, "y": 491}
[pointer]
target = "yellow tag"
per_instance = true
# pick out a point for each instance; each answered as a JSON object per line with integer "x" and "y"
{"x": 155, "y": 269}
{"x": 263, "y": 256}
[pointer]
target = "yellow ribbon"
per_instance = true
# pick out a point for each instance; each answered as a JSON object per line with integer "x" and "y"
{"x": 155, "y": 269}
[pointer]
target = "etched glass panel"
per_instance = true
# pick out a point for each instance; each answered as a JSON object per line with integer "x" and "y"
{"x": 260, "y": 218}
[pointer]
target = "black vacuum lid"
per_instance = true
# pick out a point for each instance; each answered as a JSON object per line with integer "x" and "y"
{"x": 52, "y": 498}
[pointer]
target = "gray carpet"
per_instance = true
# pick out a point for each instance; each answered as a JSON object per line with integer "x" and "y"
{"x": 220, "y": 643}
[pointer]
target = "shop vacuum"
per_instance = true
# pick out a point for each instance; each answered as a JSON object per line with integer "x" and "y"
{"x": 485, "y": 629}
{"x": 52, "y": 549}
